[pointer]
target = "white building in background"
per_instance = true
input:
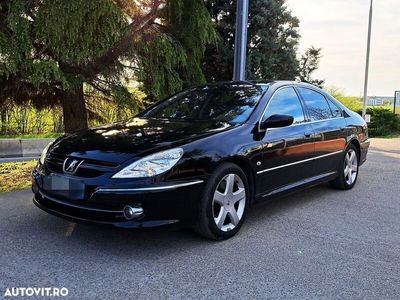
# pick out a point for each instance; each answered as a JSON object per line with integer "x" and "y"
{"x": 397, "y": 98}
{"x": 375, "y": 101}
{"x": 380, "y": 101}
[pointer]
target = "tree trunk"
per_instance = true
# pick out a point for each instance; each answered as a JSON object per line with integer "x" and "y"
{"x": 74, "y": 109}
{"x": 4, "y": 121}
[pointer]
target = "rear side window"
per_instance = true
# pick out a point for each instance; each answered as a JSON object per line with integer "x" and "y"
{"x": 317, "y": 106}
{"x": 336, "y": 111}
{"x": 285, "y": 102}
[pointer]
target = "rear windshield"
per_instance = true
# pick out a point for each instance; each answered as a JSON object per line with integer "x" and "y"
{"x": 227, "y": 103}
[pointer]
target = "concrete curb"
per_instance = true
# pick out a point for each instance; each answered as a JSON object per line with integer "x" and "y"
{"x": 17, "y": 159}
{"x": 22, "y": 147}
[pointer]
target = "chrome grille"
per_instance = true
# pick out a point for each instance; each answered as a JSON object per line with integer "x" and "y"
{"x": 89, "y": 167}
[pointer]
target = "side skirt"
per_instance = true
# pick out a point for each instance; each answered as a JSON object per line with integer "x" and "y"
{"x": 298, "y": 185}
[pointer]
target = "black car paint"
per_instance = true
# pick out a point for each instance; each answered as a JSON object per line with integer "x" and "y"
{"x": 106, "y": 150}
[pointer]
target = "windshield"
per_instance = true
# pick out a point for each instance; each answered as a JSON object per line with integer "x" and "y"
{"x": 227, "y": 103}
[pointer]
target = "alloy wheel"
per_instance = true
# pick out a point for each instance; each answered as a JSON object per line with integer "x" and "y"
{"x": 229, "y": 202}
{"x": 350, "y": 167}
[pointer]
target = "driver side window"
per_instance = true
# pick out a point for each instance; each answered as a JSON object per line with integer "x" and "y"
{"x": 285, "y": 102}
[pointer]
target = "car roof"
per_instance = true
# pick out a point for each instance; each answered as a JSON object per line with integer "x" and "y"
{"x": 270, "y": 84}
{"x": 237, "y": 82}
{"x": 275, "y": 83}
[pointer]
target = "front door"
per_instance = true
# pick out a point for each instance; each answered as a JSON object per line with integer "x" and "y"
{"x": 286, "y": 150}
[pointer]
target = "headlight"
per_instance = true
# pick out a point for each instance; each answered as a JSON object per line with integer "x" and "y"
{"x": 44, "y": 153}
{"x": 151, "y": 165}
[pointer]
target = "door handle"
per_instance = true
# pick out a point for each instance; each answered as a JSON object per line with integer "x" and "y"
{"x": 307, "y": 135}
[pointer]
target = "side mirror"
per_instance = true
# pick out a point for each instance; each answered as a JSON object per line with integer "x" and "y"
{"x": 276, "y": 121}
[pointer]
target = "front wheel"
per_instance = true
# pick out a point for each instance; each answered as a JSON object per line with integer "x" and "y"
{"x": 348, "y": 170}
{"x": 224, "y": 203}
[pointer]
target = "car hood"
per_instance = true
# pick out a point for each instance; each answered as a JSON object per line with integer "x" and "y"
{"x": 137, "y": 137}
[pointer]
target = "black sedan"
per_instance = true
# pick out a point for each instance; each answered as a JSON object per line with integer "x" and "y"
{"x": 203, "y": 157}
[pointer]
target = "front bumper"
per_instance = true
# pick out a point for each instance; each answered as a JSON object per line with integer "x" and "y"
{"x": 162, "y": 204}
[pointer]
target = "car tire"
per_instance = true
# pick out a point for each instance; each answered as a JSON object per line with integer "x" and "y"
{"x": 224, "y": 203}
{"x": 348, "y": 169}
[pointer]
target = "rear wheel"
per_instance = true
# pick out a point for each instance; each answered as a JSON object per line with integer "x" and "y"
{"x": 224, "y": 203}
{"x": 348, "y": 170}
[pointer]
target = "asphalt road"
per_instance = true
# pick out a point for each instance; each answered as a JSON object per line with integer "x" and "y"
{"x": 317, "y": 244}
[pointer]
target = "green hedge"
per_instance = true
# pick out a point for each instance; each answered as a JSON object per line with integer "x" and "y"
{"x": 383, "y": 122}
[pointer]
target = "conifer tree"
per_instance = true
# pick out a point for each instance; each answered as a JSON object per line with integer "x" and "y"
{"x": 51, "y": 49}
{"x": 272, "y": 41}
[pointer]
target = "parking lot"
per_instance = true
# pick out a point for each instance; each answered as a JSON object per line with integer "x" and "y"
{"x": 319, "y": 243}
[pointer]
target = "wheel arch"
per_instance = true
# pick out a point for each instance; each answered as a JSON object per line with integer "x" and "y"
{"x": 245, "y": 165}
{"x": 357, "y": 144}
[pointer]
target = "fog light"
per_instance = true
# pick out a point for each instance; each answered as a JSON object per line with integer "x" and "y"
{"x": 132, "y": 212}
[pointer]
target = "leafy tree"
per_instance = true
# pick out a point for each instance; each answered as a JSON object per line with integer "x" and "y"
{"x": 309, "y": 63}
{"x": 351, "y": 102}
{"x": 272, "y": 41}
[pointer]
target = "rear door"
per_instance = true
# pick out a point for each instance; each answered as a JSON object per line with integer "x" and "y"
{"x": 286, "y": 150}
{"x": 329, "y": 126}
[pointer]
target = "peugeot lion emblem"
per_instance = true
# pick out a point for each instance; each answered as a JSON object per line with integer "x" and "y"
{"x": 71, "y": 165}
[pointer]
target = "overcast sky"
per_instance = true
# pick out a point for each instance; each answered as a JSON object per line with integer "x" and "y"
{"x": 339, "y": 27}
